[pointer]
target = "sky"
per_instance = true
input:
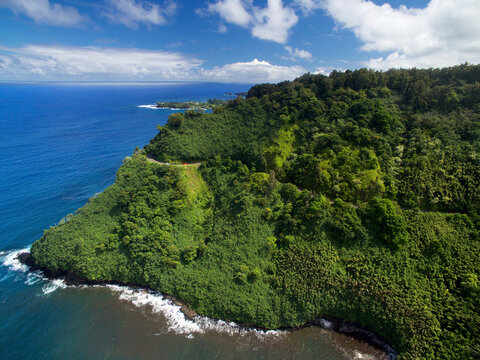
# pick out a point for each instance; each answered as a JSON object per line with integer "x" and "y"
{"x": 245, "y": 41}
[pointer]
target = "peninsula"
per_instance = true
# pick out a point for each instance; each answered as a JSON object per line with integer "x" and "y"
{"x": 355, "y": 195}
{"x": 191, "y": 105}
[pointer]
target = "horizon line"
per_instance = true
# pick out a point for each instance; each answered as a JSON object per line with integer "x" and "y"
{"x": 116, "y": 82}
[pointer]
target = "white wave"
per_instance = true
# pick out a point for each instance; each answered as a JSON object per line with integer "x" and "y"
{"x": 34, "y": 277}
{"x": 232, "y": 328}
{"x": 53, "y": 285}
{"x": 360, "y": 356}
{"x": 154, "y": 107}
{"x": 176, "y": 320}
{"x": 9, "y": 260}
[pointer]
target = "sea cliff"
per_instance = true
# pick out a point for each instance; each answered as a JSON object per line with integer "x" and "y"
{"x": 353, "y": 196}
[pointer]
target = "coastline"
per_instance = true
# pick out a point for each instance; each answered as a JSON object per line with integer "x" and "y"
{"x": 325, "y": 321}
{"x": 155, "y": 107}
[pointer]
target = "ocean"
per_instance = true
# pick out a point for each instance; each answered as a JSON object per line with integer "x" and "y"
{"x": 60, "y": 144}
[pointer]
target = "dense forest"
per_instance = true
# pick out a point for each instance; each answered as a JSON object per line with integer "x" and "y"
{"x": 191, "y": 105}
{"x": 354, "y": 195}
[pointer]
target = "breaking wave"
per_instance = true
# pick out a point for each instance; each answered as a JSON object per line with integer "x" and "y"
{"x": 178, "y": 323}
{"x": 176, "y": 320}
{"x": 157, "y": 303}
{"x": 154, "y": 107}
{"x": 53, "y": 285}
{"x": 10, "y": 261}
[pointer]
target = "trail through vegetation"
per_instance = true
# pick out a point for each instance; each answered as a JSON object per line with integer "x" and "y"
{"x": 355, "y": 195}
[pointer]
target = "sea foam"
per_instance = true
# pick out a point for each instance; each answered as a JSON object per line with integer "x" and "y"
{"x": 176, "y": 320}
{"x": 157, "y": 303}
{"x": 53, "y": 285}
{"x": 33, "y": 278}
{"x": 149, "y": 106}
{"x": 155, "y": 107}
{"x": 361, "y": 356}
{"x": 10, "y": 260}
{"x": 178, "y": 323}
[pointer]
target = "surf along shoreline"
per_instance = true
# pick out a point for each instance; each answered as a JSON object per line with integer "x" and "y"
{"x": 327, "y": 322}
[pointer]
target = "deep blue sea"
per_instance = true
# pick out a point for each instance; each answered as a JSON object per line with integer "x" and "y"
{"x": 61, "y": 143}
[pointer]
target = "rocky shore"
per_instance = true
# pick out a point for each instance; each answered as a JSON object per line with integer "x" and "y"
{"x": 325, "y": 322}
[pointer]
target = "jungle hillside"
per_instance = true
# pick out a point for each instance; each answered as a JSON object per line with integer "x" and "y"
{"x": 355, "y": 195}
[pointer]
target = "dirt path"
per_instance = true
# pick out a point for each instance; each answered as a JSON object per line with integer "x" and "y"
{"x": 197, "y": 164}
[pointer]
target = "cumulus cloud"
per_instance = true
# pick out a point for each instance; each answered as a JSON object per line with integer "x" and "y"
{"x": 254, "y": 71}
{"x": 272, "y": 22}
{"x": 44, "y": 12}
{"x": 232, "y": 11}
{"x": 444, "y": 33}
{"x": 322, "y": 71}
{"x": 131, "y": 13}
{"x": 298, "y": 53}
{"x": 35, "y": 62}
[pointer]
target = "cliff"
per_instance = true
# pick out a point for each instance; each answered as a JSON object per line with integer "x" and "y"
{"x": 354, "y": 196}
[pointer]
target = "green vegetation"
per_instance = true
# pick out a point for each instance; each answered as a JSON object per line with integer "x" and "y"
{"x": 355, "y": 195}
{"x": 191, "y": 105}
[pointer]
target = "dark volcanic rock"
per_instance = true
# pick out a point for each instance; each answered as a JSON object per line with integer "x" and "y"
{"x": 355, "y": 331}
{"x": 27, "y": 259}
{"x": 325, "y": 322}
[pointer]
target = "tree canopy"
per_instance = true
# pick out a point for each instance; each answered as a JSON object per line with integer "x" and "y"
{"x": 354, "y": 195}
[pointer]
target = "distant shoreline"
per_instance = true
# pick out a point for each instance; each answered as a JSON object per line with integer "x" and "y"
{"x": 155, "y": 107}
{"x": 191, "y": 104}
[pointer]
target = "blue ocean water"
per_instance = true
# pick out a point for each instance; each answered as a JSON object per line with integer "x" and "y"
{"x": 60, "y": 143}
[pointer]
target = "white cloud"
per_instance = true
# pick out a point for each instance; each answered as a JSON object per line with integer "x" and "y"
{"x": 232, "y": 11}
{"x": 308, "y": 6}
{"x": 298, "y": 53}
{"x": 322, "y": 71}
{"x": 44, "y": 12}
{"x": 255, "y": 71}
{"x": 77, "y": 63}
{"x": 272, "y": 22}
{"x": 131, "y": 13}
{"x": 35, "y": 62}
{"x": 445, "y": 33}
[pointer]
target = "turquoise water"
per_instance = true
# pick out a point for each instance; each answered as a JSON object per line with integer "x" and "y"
{"x": 60, "y": 144}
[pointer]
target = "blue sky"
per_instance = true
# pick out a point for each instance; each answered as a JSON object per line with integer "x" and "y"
{"x": 230, "y": 40}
